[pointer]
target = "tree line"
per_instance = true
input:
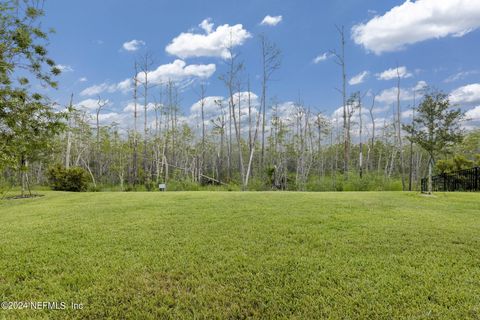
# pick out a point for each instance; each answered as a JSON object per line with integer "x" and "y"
{"x": 246, "y": 145}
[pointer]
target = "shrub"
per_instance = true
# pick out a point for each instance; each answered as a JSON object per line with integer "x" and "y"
{"x": 72, "y": 179}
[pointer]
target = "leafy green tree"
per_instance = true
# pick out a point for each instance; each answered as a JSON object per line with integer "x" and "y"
{"x": 27, "y": 120}
{"x": 436, "y": 127}
{"x": 470, "y": 146}
{"x": 29, "y": 135}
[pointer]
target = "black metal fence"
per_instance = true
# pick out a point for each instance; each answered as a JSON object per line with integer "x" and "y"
{"x": 463, "y": 180}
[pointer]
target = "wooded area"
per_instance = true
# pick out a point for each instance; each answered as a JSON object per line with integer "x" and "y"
{"x": 246, "y": 145}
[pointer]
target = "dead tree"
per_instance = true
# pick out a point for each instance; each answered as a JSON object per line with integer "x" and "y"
{"x": 134, "y": 176}
{"x": 232, "y": 82}
{"x": 271, "y": 60}
{"x": 372, "y": 140}
{"x": 340, "y": 60}
{"x": 70, "y": 110}
{"x": 410, "y": 176}
{"x": 399, "y": 132}
{"x": 146, "y": 65}
{"x": 100, "y": 105}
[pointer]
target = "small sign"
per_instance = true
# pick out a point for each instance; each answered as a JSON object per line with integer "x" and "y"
{"x": 162, "y": 187}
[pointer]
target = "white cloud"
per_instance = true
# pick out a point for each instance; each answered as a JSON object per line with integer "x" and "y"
{"x": 271, "y": 21}
{"x": 95, "y": 90}
{"x": 91, "y": 104}
{"x": 460, "y": 75}
{"x": 321, "y": 57}
{"x": 178, "y": 71}
{"x": 211, "y": 44}
{"x": 420, "y": 85}
{"x": 407, "y": 114}
{"x": 83, "y": 79}
{"x": 211, "y": 107}
{"x": 133, "y": 45}
{"x": 110, "y": 117}
{"x": 359, "y": 78}
{"x": 473, "y": 114}
{"x": 412, "y": 22}
{"x": 389, "y": 96}
{"x": 207, "y": 25}
{"x": 64, "y": 68}
{"x": 140, "y": 107}
{"x": 380, "y": 109}
{"x": 125, "y": 85}
{"x": 390, "y": 74}
{"x": 469, "y": 94}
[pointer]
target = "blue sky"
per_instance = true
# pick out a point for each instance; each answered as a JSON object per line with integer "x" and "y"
{"x": 437, "y": 43}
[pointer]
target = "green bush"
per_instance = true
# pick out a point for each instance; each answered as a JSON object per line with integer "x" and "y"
{"x": 63, "y": 179}
{"x": 369, "y": 182}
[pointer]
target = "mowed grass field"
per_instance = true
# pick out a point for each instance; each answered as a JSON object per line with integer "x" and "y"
{"x": 232, "y": 255}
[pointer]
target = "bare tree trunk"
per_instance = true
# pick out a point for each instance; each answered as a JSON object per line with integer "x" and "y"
{"x": 229, "y": 143}
{"x": 263, "y": 100}
{"x": 202, "y": 105}
{"x": 360, "y": 160}
{"x": 135, "y": 116}
{"x": 145, "y": 66}
{"x": 399, "y": 132}
{"x": 271, "y": 57}
{"x": 430, "y": 164}
{"x": 410, "y": 178}
{"x": 97, "y": 156}
{"x": 372, "y": 143}
{"x": 253, "y": 142}
{"x": 23, "y": 170}
{"x": 69, "y": 134}
{"x": 341, "y": 62}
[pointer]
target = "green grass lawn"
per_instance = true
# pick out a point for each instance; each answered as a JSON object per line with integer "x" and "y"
{"x": 242, "y": 255}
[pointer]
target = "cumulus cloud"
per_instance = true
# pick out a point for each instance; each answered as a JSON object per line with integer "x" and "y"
{"x": 95, "y": 89}
{"x": 211, "y": 103}
{"x": 110, "y": 117}
{"x": 467, "y": 95}
{"x": 271, "y": 21}
{"x": 392, "y": 73}
{"x": 133, "y": 45}
{"x": 123, "y": 86}
{"x": 412, "y": 22}
{"x": 178, "y": 71}
{"x": 321, "y": 57}
{"x": 358, "y": 79}
{"x": 98, "y": 89}
{"x": 421, "y": 85}
{"x": 473, "y": 114}
{"x": 64, "y": 68}
{"x": 207, "y": 25}
{"x": 211, "y": 43}
{"x": 130, "y": 107}
{"x": 91, "y": 104}
{"x": 460, "y": 75}
{"x": 389, "y": 96}
{"x": 212, "y": 108}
